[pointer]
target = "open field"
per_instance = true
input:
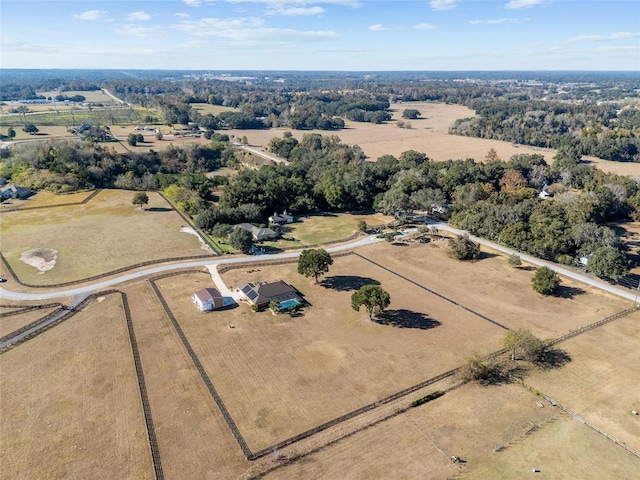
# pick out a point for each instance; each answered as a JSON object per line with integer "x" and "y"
{"x": 419, "y": 443}
{"x": 75, "y": 411}
{"x": 280, "y": 375}
{"x": 44, "y": 199}
{"x": 428, "y": 135}
{"x": 95, "y": 96}
{"x": 600, "y": 382}
{"x": 204, "y": 108}
{"x": 482, "y": 286}
{"x": 193, "y": 439}
{"x": 121, "y": 115}
{"x": 317, "y": 229}
{"x": 105, "y": 234}
{"x": 561, "y": 450}
{"x": 330, "y": 360}
{"x": 333, "y": 350}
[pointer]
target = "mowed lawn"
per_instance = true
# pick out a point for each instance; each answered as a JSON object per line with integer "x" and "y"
{"x": 105, "y": 234}
{"x": 321, "y": 228}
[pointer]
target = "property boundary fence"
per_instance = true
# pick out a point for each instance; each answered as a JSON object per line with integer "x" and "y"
{"x": 26, "y": 308}
{"x": 439, "y": 295}
{"x": 266, "y": 263}
{"x": 142, "y": 388}
{"x": 196, "y": 361}
{"x": 31, "y": 325}
{"x": 591, "y": 326}
{"x": 579, "y": 417}
{"x": 144, "y": 398}
{"x": 83, "y": 202}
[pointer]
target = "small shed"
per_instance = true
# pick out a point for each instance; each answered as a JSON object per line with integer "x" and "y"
{"x": 208, "y": 299}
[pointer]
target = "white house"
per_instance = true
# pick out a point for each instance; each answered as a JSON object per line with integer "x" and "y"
{"x": 258, "y": 233}
{"x": 280, "y": 219}
{"x": 208, "y": 299}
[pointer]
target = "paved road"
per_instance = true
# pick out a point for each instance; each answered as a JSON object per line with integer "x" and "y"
{"x": 260, "y": 153}
{"x": 81, "y": 292}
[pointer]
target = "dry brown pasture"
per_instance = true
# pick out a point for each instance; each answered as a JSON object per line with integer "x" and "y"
{"x": 334, "y": 353}
{"x": 469, "y": 422}
{"x": 428, "y": 135}
{"x": 600, "y": 382}
{"x": 105, "y": 234}
{"x": 70, "y": 402}
{"x": 279, "y": 375}
{"x": 193, "y": 438}
{"x": 44, "y": 199}
{"x": 564, "y": 449}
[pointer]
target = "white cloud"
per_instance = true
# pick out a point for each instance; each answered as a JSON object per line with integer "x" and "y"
{"x": 138, "y": 16}
{"x": 299, "y": 3}
{"x": 424, "y": 26}
{"x": 515, "y": 4}
{"x": 443, "y": 4}
{"x": 259, "y": 37}
{"x": 212, "y": 26}
{"x": 378, "y": 27}
{"x": 138, "y": 31}
{"x": 182, "y": 15}
{"x": 294, "y": 11}
{"x": 249, "y": 32}
{"x": 91, "y": 14}
{"x": 192, "y": 3}
{"x": 619, "y": 48}
{"x": 604, "y": 38}
{"x": 498, "y": 21}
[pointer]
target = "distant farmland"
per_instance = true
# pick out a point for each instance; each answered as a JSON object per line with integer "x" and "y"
{"x": 123, "y": 115}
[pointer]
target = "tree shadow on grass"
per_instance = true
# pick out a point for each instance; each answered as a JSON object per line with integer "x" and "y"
{"x": 568, "y": 292}
{"x": 406, "y": 319}
{"x": 158, "y": 209}
{"x": 346, "y": 283}
{"x": 553, "y": 358}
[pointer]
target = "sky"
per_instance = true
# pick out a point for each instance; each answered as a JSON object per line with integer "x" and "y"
{"x": 352, "y": 35}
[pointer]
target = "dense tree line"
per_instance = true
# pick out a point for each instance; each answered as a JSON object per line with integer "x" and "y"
{"x": 592, "y": 129}
{"x": 68, "y": 165}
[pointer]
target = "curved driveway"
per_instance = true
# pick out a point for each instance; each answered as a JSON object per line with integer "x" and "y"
{"x": 81, "y": 292}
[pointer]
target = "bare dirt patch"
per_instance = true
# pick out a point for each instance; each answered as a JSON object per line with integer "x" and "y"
{"x": 42, "y": 259}
{"x": 70, "y": 402}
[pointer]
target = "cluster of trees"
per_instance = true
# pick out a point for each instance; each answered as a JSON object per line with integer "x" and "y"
{"x": 602, "y": 130}
{"x": 67, "y": 165}
{"x": 569, "y": 228}
{"x": 316, "y": 262}
{"x": 497, "y": 200}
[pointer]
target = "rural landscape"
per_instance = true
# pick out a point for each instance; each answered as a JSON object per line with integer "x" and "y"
{"x": 488, "y": 348}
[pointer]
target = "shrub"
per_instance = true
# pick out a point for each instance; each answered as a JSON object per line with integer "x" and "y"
{"x": 463, "y": 248}
{"x": 514, "y": 260}
{"x": 545, "y": 281}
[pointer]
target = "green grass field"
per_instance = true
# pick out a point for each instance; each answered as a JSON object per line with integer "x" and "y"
{"x": 205, "y": 108}
{"x": 96, "y": 116}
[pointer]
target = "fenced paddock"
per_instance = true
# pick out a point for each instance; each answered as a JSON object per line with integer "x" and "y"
{"x": 71, "y": 401}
